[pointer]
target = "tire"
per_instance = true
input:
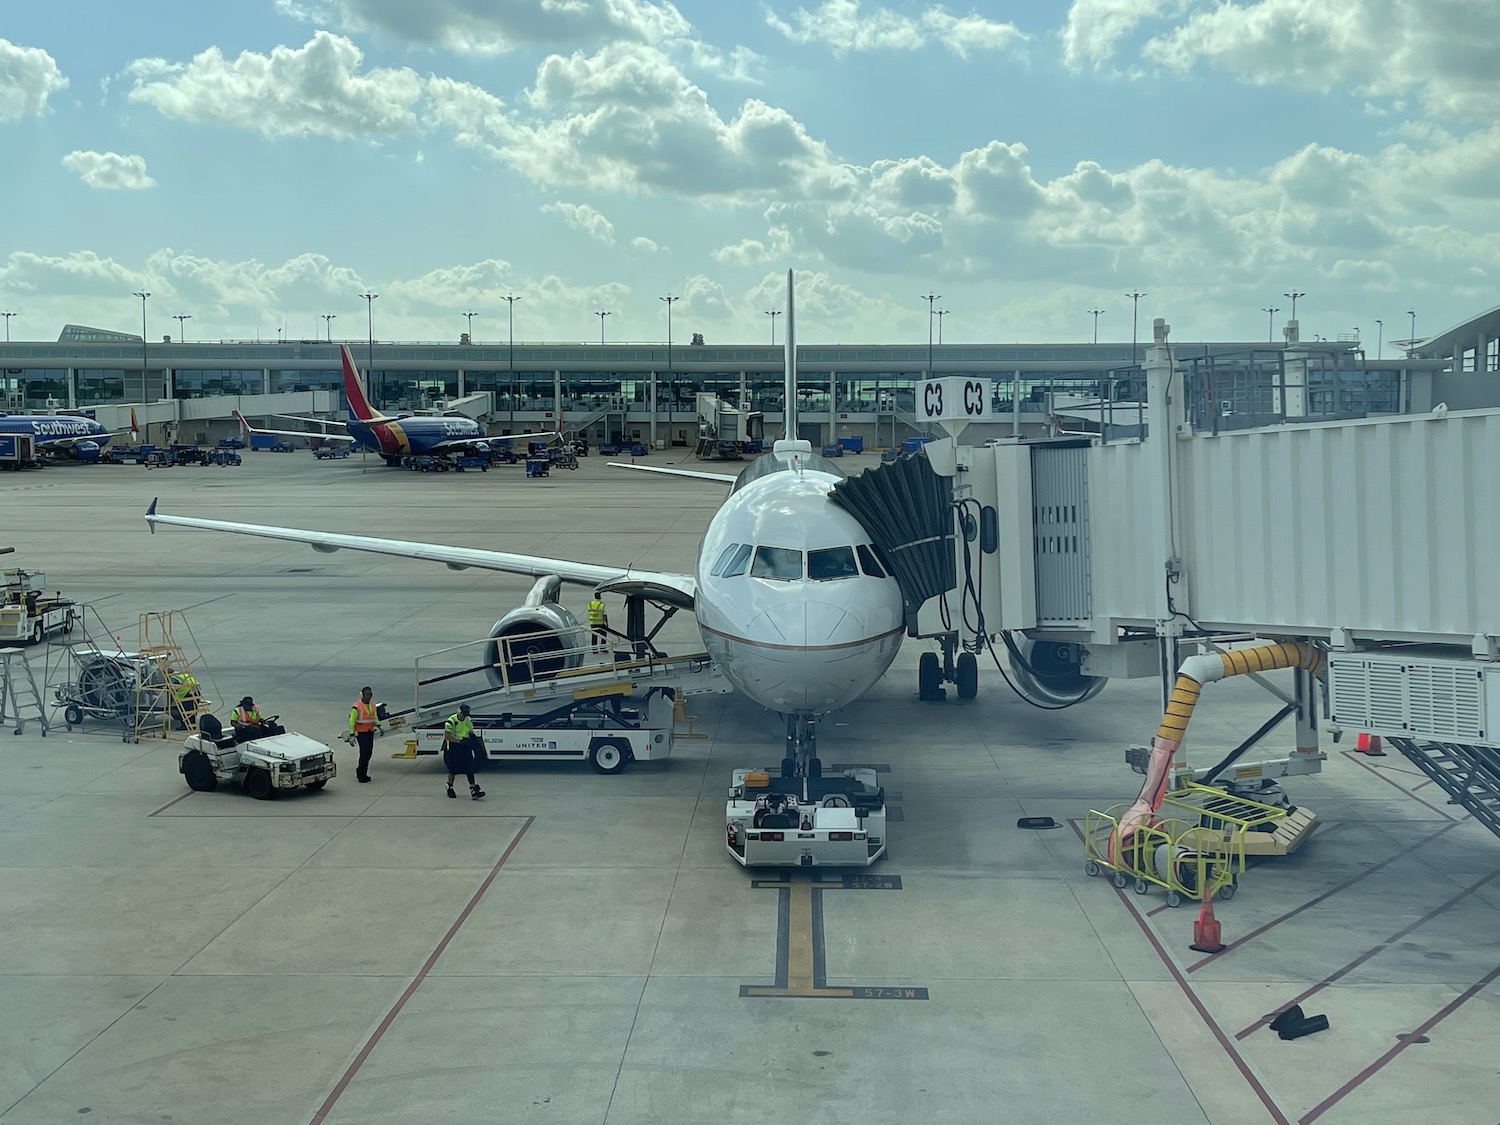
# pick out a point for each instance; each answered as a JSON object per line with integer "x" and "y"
{"x": 1091, "y": 868}
{"x": 314, "y": 786}
{"x": 609, "y": 755}
{"x": 198, "y": 773}
{"x": 1226, "y": 892}
{"x": 929, "y": 677}
{"x": 258, "y": 785}
{"x": 967, "y": 675}
{"x": 1174, "y": 899}
{"x": 1119, "y": 880}
{"x": 73, "y": 715}
{"x": 36, "y": 633}
{"x": 1141, "y": 886}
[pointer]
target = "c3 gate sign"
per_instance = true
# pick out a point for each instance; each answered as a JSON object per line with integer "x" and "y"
{"x": 954, "y": 398}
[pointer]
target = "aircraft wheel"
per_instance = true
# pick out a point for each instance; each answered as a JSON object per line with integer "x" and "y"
{"x": 967, "y": 675}
{"x": 199, "y": 773}
{"x": 609, "y": 755}
{"x": 929, "y": 677}
{"x": 258, "y": 785}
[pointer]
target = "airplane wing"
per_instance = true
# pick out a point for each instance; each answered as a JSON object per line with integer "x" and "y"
{"x": 678, "y": 590}
{"x": 459, "y": 445}
{"x": 249, "y": 429}
{"x": 313, "y": 421}
{"x": 723, "y": 478}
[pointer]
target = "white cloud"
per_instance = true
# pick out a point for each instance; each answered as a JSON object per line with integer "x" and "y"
{"x": 109, "y": 170}
{"x": 1095, "y": 27}
{"x": 647, "y": 245}
{"x": 580, "y": 216}
{"x": 28, "y": 77}
{"x": 313, "y": 90}
{"x": 844, "y": 27}
{"x": 494, "y": 26}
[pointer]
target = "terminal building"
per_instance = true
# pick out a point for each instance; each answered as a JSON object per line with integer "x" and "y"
{"x": 648, "y": 392}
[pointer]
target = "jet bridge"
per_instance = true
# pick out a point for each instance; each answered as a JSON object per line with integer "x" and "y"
{"x": 1363, "y": 540}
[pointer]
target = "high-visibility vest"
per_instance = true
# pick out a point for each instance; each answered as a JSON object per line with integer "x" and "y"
{"x": 459, "y": 726}
{"x": 246, "y": 716}
{"x": 596, "y": 612}
{"x": 362, "y": 716}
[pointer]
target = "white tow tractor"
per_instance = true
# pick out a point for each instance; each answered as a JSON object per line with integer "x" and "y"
{"x": 262, "y": 766}
{"x": 833, "y": 821}
{"x": 27, "y": 612}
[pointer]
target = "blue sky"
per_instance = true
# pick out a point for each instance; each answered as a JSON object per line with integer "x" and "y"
{"x": 262, "y": 163}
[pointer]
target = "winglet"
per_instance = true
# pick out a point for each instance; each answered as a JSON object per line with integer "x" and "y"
{"x": 151, "y": 516}
{"x": 244, "y": 425}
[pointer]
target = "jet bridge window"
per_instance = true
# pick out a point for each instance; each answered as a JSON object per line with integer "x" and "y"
{"x": 869, "y": 563}
{"x": 780, "y": 563}
{"x": 831, "y": 563}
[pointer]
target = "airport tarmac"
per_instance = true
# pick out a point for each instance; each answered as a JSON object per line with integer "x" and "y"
{"x": 574, "y": 947}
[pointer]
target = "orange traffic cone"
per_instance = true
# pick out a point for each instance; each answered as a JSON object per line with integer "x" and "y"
{"x": 1206, "y": 934}
{"x": 1369, "y": 744}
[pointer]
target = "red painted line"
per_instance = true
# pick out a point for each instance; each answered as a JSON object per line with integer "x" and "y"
{"x": 1338, "y": 974}
{"x": 1187, "y": 990}
{"x": 1345, "y": 885}
{"x": 170, "y": 803}
{"x": 1155, "y": 910}
{"x": 390, "y": 1017}
{"x": 1363, "y": 1076}
{"x": 1400, "y": 788}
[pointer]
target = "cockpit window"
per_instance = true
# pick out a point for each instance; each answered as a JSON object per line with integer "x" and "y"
{"x": 780, "y": 563}
{"x": 830, "y": 563}
{"x": 869, "y": 563}
{"x": 734, "y": 564}
{"x": 724, "y": 557}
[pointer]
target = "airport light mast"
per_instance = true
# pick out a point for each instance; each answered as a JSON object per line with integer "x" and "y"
{"x": 1292, "y": 296}
{"x": 470, "y": 317}
{"x": 511, "y": 299}
{"x": 328, "y": 319}
{"x": 1270, "y": 323}
{"x": 1379, "y": 338}
{"x": 940, "y": 314}
{"x": 930, "y": 298}
{"x": 773, "y": 314}
{"x": 7, "y": 316}
{"x": 179, "y": 318}
{"x": 1096, "y": 314}
{"x": 1135, "y": 314}
{"x": 143, "y": 294}
{"x": 601, "y": 314}
{"x": 370, "y": 321}
{"x": 671, "y": 372}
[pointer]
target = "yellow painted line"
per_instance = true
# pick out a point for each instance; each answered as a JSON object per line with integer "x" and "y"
{"x": 800, "y": 993}
{"x": 799, "y": 937}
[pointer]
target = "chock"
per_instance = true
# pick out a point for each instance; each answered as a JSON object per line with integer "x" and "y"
{"x": 410, "y": 751}
{"x": 1369, "y": 744}
{"x": 1206, "y": 934}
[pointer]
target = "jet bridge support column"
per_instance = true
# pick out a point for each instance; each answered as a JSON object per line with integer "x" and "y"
{"x": 1163, "y": 418}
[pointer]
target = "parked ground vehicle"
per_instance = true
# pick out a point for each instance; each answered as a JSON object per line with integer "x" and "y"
{"x": 27, "y": 613}
{"x": 262, "y": 767}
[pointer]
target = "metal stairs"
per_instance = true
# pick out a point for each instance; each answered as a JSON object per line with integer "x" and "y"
{"x": 1468, "y": 773}
{"x": 18, "y": 691}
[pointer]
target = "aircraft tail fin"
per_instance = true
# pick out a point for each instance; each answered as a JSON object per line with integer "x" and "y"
{"x": 354, "y": 391}
{"x": 135, "y": 427}
{"x": 244, "y": 422}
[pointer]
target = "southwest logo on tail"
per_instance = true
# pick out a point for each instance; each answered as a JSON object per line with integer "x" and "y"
{"x": 354, "y": 391}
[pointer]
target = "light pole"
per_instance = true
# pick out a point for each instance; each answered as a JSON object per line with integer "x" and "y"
{"x": 930, "y": 298}
{"x": 179, "y": 318}
{"x": 601, "y": 314}
{"x": 671, "y": 373}
{"x": 328, "y": 319}
{"x": 1270, "y": 323}
{"x": 370, "y": 322}
{"x": 1379, "y": 338}
{"x": 471, "y": 316}
{"x": 7, "y": 316}
{"x": 1135, "y": 310}
{"x": 940, "y": 314}
{"x": 1413, "y": 314}
{"x": 773, "y": 314}
{"x": 1096, "y": 313}
{"x": 511, "y": 299}
{"x": 143, "y": 294}
{"x": 1292, "y": 296}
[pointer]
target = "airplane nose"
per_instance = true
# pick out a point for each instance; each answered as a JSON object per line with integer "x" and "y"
{"x": 808, "y": 624}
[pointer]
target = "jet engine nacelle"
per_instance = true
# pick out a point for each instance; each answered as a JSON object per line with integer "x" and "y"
{"x": 1055, "y": 675}
{"x": 536, "y": 640}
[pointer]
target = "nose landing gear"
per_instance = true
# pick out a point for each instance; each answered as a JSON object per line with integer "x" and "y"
{"x": 961, "y": 669}
{"x": 801, "y": 758}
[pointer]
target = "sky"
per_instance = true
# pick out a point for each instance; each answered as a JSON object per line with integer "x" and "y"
{"x": 258, "y": 165}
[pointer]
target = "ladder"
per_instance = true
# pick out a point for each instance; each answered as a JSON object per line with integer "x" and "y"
{"x": 18, "y": 691}
{"x": 169, "y": 687}
{"x": 1467, "y": 773}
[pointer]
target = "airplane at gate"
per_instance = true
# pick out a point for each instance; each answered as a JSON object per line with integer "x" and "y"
{"x": 62, "y": 435}
{"x": 410, "y": 435}
{"x": 794, "y": 603}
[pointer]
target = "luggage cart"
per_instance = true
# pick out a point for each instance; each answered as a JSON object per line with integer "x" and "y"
{"x": 1179, "y": 856}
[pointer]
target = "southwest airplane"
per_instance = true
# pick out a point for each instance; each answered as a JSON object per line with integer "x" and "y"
{"x": 792, "y": 601}
{"x": 394, "y": 438}
{"x": 62, "y": 435}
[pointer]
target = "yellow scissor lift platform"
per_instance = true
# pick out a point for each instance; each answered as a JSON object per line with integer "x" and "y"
{"x": 1199, "y": 838}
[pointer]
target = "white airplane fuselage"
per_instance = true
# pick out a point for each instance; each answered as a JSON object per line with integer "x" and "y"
{"x": 797, "y": 645}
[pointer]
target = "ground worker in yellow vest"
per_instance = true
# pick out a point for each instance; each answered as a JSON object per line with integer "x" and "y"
{"x": 249, "y": 724}
{"x": 461, "y": 747}
{"x": 598, "y": 625}
{"x": 364, "y": 717}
